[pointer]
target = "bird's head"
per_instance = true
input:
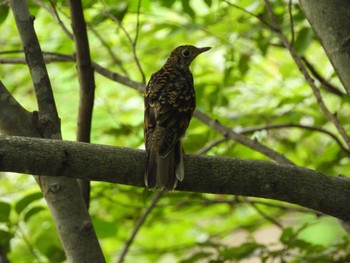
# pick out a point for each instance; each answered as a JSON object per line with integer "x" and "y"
{"x": 182, "y": 56}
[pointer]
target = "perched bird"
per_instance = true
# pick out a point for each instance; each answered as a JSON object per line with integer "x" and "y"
{"x": 169, "y": 105}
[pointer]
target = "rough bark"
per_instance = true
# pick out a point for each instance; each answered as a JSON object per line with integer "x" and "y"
{"x": 86, "y": 81}
{"x": 312, "y": 189}
{"x": 61, "y": 193}
{"x": 330, "y": 20}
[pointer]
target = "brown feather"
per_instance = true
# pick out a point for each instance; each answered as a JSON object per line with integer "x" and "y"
{"x": 169, "y": 105}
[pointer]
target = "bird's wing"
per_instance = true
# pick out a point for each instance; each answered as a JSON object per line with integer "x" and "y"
{"x": 169, "y": 107}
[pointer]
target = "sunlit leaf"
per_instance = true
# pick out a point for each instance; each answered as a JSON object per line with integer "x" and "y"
{"x": 237, "y": 253}
{"x": 5, "y": 209}
{"x": 26, "y": 200}
{"x": 4, "y": 11}
{"x": 303, "y": 40}
{"x": 32, "y": 211}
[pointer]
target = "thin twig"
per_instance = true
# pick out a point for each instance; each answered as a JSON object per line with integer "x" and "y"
{"x": 290, "y": 11}
{"x": 115, "y": 60}
{"x": 266, "y": 217}
{"x": 331, "y": 117}
{"x": 131, "y": 42}
{"x": 211, "y": 145}
{"x": 138, "y": 225}
{"x": 52, "y": 10}
{"x": 135, "y": 40}
{"x": 251, "y": 14}
{"x": 294, "y": 125}
{"x": 326, "y": 84}
{"x": 252, "y": 144}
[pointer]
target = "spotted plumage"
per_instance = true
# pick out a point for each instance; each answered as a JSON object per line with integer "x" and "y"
{"x": 169, "y": 105}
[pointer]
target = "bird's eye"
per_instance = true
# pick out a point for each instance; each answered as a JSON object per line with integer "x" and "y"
{"x": 186, "y": 53}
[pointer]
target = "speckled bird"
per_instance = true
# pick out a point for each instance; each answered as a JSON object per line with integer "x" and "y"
{"x": 169, "y": 104}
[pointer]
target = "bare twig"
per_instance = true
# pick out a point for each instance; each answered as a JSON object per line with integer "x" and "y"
{"x": 115, "y": 60}
{"x": 326, "y": 84}
{"x": 52, "y": 10}
{"x": 266, "y": 217}
{"x": 331, "y": 117}
{"x": 211, "y": 145}
{"x": 294, "y": 125}
{"x": 252, "y": 144}
{"x": 86, "y": 81}
{"x": 290, "y": 12}
{"x": 251, "y": 14}
{"x": 138, "y": 225}
{"x": 132, "y": 42}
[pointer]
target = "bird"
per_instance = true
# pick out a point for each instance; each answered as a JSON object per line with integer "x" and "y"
{"x": 169, "y": 100}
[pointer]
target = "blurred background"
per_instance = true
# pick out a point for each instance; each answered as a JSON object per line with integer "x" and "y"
{"x": 248, "y": 81}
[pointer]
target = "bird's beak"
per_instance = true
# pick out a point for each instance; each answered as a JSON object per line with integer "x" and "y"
{"x": 203, "y": 49}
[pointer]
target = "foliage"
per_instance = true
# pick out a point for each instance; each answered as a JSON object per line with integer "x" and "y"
{"x": 246, "y": 81}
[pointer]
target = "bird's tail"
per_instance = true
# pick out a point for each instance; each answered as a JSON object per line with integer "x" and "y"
{"x": 163, "y": 172}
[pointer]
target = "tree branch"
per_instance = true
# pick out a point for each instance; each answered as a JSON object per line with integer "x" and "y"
{"x": 48, "y": 117}
{"x": 138, "y": 225}
{"x": 14, "y": 119}
{"x": 327, "y": 85}
{"x": 331, "y": 117}
{"x": 216, "y": 125}
{"x": 86, "y": 81}
{"x": 62, "y": 194}
{"x": 216, "y": 175}
{"x": 333, "y": 31}
{"x": 252, "y": 144}
{"x": 294, "y": 125}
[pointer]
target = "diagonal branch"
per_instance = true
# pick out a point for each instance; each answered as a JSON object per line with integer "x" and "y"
{"x": 139, "y": 224}
{"x": 326, "y": 84}
{"x": 14, "y": 119}
{"x": 298, "y": 61}
{"x": 48, "y": 117}
{"x": 252, "y": 144}
{"x": 294, "y": 125}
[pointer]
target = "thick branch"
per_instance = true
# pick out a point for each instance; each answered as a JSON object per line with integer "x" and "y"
{"x": 14, "y": 119}
{"x": 62, "y": 194}
{"x": 305, "y": 187}
{"x": 48, "y": 116}
{"x": 330, "y": 21}
{"x": 298, "y": 61}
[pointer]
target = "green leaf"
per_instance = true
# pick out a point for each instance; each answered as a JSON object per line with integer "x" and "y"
{"x": 5, "y": 209}
{"x": 241, "y": 252}
{"x": 208, "y": 2}
{"x": 5, "y": 238}
{"x": 168, "y": 3}
{"x": 243, "y": 64}
{"x": 104, "y": 229}
{"x": 303, "y": 40}
{"x": 55, "y": 254}
{"x": 196, "y": 257}
{"x": 188, "y": 9}
{"x": 286, "y": 235}
{"x": 4, "y": 11}
{"x": 32, "y": 211}
{"x": 25, "y": 201}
